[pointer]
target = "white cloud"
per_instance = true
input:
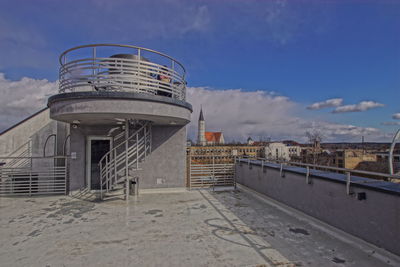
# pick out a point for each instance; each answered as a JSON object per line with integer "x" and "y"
{"x": 19, "y": 99}
{"x": 240, "y": 114}
{"x": 237, "y": 113}
{"x": 334, "y": 102}
{"x": 362, "y": 106}
{"x": 396, "y": 116}
{"x": 390, "y": 123}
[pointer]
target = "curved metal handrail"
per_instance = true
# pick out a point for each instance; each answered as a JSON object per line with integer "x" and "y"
{"x": 118, "y": 45}
{"x": 396, "y": 139}
{"x": 121, "y": 72}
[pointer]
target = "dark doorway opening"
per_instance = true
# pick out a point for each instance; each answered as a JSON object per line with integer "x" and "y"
{"x": 98, "y": 148}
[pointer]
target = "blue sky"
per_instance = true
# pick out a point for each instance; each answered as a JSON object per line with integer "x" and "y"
{"x": 307, "y": 51}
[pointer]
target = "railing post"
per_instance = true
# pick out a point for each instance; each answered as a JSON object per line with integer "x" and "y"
{"x": 66, "y": 175}
{"x": 348, "y": 182}
{"x": 213, "y": 171}
{"x": 281, "y": 170}
{"x": 308, "y": 175}
{"x": 137, "y": 151}
{"x": 115, "y": 166}
{"x": 262, "y": 165}
{"x": 30, "y": 182}
{"x": 101, "y": 180}
{"x": 145, "y": 142}
{"x": 93, "y": 67}
{"x": 126, "y": 159}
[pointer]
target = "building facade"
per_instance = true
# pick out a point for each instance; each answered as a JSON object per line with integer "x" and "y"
{"x": 119, "y": 117}
{"x": 208, "y": 138}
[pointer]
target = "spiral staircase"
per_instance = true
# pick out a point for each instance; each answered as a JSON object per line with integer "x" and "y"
{"x": 118, "y": 167}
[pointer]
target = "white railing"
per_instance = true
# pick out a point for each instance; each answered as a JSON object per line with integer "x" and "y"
{"x": 19, "y": 157}
{"x": 123, "y": 68}
{"x": 210, "y": 171}
{"x": 308, "y": 167}
{"x": 115, "y": 166}
{"x": 44, "y": 176}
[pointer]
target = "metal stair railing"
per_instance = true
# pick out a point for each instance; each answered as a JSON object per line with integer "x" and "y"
{"x": 126, "y": 156}
{"x": 20, "y": 156}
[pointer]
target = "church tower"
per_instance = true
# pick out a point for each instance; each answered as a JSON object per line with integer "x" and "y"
{"x": 201, "y": 135}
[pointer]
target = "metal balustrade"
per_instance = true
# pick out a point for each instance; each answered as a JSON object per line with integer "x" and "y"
{"x": 115, "y": 166}
{"x": 210, "y": 171}
{"x": 44, "y": 176}
{"x": 18, "y": 158}
{"x": 124, "y": 68}
{"x": 348, "y": 172}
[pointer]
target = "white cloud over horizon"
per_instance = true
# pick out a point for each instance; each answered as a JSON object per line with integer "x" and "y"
{"x": 362, "y": 106}
{"x": 396, "y": 116}
{"x": 259, "y": 114}
{"x": 391, "y": 123}
{"x": 238, "y": 113}
{"x": 333, "y": 102}
{"x": 19, "y": 99}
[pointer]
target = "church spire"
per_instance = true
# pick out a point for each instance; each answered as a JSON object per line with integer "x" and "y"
{"x": 201, "y": 117}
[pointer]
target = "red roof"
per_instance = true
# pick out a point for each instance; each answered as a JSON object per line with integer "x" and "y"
{"x": 213, "y": 136}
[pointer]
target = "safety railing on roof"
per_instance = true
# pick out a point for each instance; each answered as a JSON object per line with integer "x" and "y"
{"x": 44, "y": 176}
{"x": 309, "y": 167}
{"x": 124, "y": 68}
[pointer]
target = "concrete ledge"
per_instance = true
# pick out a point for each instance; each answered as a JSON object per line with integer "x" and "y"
{"x": 118, "y": 95}
{"x": 375, "y": 218}
{"x": 387, "y": 187}
{"x": 99, "y": 108}
{"x": 163, "y": 190}
{"x": 367, "y": 247}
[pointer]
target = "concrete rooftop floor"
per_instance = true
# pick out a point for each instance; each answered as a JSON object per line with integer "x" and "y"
{"x": 194, "y": 228}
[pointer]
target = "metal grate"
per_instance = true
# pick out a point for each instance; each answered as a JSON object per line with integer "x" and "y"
{"x": 209, "y": 171}
{"x": 45, "y": 176}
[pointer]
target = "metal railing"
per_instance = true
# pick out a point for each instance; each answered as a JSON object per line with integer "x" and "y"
{"x": 210, "y": 171}
{"x": 44, "y": 176}
{"x": 126, "y": 156}
{"x": 19, "y": 157}
{"x": 125, "y": 68}
{"x": 309, "y": 167}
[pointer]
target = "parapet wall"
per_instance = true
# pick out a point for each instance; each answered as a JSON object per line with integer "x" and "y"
{"x": 375, "y": 219}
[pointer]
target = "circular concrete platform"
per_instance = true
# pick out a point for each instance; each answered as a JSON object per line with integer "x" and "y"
{"x": 98, "y": 108}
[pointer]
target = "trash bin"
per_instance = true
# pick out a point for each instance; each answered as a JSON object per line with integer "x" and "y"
{"x": 133, "y": 187}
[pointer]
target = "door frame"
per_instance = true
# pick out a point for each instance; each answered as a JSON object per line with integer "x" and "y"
{"x": 88, "y": 166}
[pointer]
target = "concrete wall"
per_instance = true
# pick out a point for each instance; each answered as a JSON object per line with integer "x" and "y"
{"x": 13, "y": 138}
{"x": 376, "y": 219}
{"x": 35, "y": 129}
{"x": 77, "y": 172}
{"x": 166, "y": 165}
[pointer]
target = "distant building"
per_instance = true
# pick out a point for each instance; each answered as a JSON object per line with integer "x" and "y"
{"x": 208, "y": 138}
{"x": 250, "y": 141}
{"x": 281, "y": 151}
{"x": 225, "y": 152}
{"x": 351, "y": 158}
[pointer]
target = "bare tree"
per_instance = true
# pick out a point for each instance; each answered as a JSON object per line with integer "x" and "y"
{"x": 315, "y": 137}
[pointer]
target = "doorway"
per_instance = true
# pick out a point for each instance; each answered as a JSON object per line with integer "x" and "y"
{"x": 97, "y": 147}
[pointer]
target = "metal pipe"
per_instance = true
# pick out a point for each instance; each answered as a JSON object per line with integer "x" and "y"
{"x": 65, "y": 144}
{"x": 395, "y": 139}
{"x": 348, "y": 182}
{"x": 55, "y": 144}
{"x": 126, "y": 160}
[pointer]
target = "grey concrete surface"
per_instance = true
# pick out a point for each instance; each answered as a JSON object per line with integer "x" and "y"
{"x": 375, "y": 219}
{"x": 196, "y": 228}
{"x": 166, "y": 165}
{"x": 93, "y": 109}
{"x": 13, "y": 138}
